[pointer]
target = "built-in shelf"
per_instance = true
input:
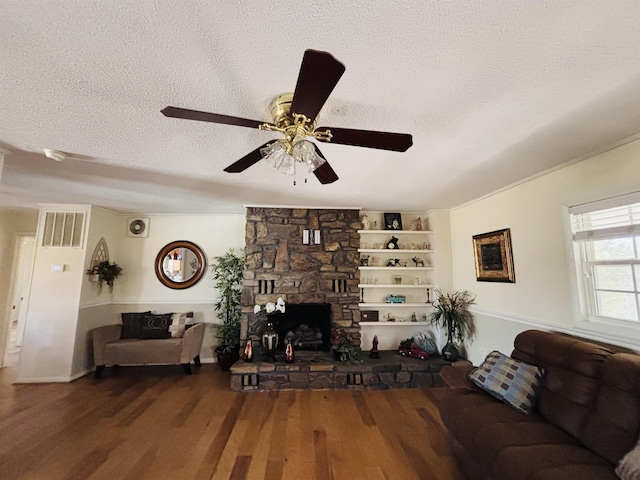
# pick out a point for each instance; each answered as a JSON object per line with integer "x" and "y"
{"x": 397, "y": 268}
{"x": 385, "y": 304}
{"x": 393, "y": 232}
{"x": 389, "y": 250}
{"x": 395, "y": 285}
{"x": 387, "y": 323}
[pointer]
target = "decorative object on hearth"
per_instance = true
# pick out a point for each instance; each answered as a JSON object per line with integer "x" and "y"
{"x": 494, "y": 257}
{"x": 343, "y": 347}
{"x": 392, "y": 221}
{"x": 247, "y": 355}
{"x": 427, "y": 343}
{"x": 295, "y": 116}
{"x": 409, "y": 348}
{"x": 393, "y": 244}
{"x": 228, "y": 271}
{"x": 289, "y": 355}
{"x": 269, "y": 336}
{"x": 107, "y": 273}
{"x": 374, "y": 353}
{"x": 450, "y": 312}
{"x": 269, "y": 341}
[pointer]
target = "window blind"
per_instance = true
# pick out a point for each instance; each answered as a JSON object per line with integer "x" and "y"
{"x": 603, "y": 223}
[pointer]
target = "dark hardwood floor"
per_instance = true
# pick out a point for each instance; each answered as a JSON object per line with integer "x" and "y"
{"x": 157, "y": 423}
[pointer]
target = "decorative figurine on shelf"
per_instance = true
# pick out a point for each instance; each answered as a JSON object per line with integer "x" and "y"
{"x": 247, "y": 355}
{"x": 393, "y": 262}
{"x": 374, "y": 351}
{"x": 364, "y": 219}
{"x": 393, "y": 244}
{"x": 418, "y": 261}
{"x": 289, "y": 356}
{"x": 364, "y": 261}
{"x": 418, "y": 223}
{"x": 413, "y": 317}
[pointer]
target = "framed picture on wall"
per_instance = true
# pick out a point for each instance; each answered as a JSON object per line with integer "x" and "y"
{"x": 392, "y": 221}
{"x": 494, "y": 257}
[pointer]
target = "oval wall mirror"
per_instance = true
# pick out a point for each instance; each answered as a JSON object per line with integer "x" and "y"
{"x": 180, "y": 264}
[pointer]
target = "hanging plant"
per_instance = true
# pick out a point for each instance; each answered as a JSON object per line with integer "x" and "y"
{"x": 107, "y": 273}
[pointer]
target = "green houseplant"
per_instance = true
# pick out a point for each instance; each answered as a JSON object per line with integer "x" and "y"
{"x": 106, "y": 273}
{"x": 450, "y": 312}
{"x": 227, "y": 275}
{"x": 343, "y": 347}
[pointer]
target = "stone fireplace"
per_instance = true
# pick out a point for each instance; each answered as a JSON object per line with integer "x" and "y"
{"x": 279, "y": 264}
{"x": 318, "y": 283}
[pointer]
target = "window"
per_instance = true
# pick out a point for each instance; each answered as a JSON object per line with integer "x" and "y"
{"x": 607, "y": 239}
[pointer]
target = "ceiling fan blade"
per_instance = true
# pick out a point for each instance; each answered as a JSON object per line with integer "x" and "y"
{"x": 324, "y": 172}
{"x": 397, "y": 142}
{"x": 247, "y": 161}
{"x": 319, "y": 74}
{"x": 177, "y": 112}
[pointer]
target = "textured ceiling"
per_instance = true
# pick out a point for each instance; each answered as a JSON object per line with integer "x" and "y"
{"x": 492, "y": 92}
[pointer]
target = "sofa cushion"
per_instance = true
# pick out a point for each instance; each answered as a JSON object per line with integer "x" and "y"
{"x": 156, "y": 326}
{"x": 513, "y": 446}
{"x": 590, "y": 392}
{"x": 139, "y": 352}
{"x": 179, "y": 322}
{"x": 514, "y": 382}
{"x": 132, "y": 322}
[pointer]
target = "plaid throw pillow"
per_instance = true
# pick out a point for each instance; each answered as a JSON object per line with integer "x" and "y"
{"x": 179, "y": 322}
{"x": 514, "y": 382}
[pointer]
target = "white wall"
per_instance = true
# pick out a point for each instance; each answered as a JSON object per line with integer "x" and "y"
{"x": 64, "y": 307}
{"x": 536, "y": 212}
{"x": 52, "y": 315}
{"x": 13, "y": 222}
{"x": 139, "y": 289}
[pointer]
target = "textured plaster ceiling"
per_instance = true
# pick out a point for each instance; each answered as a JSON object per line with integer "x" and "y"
{"x": 492, "y": 92}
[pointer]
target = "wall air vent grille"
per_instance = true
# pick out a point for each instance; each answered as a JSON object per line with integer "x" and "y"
{"x": 63, "y": 229}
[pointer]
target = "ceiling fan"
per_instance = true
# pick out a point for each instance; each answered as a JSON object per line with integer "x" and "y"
{"x": 294, "y": 115}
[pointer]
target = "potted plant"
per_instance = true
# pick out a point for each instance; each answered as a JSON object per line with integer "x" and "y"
{"x": 105, "y": 272}
{"x": 227, "y": 274}
{"x": 343, "y": 346}
{"x": 450, "y": 312}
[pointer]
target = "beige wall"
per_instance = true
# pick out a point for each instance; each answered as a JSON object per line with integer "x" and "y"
{"x": 50, "y": 330}
{"x": 13, "y": 222}
{"x": 65, "y": 307}
{"x": 544, "y": 295}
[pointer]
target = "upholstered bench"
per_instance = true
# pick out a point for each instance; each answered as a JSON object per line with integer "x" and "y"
{"x": 129, "y": 344}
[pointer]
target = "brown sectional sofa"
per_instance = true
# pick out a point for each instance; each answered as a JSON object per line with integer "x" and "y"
{"x": 587, "y": 415}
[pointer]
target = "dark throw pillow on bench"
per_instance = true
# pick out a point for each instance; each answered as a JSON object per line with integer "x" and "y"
{"x": 132, "y": 323}
{"x": 156, "y": 326}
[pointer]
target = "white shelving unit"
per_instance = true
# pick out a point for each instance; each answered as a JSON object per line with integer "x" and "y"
{"x": 377, "y": 281}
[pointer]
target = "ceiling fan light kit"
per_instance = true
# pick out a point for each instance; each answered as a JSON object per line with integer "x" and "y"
{"x": 295, "y": 116}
